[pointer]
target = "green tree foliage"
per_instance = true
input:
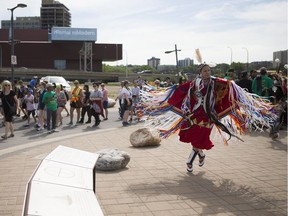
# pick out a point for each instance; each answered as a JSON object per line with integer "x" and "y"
{"x": 116, "y": 69}
{"x": 129, "y": 68}
{"x": 190, "y": 69}
{"x": 220, "y": 70}
{"x": 238, "y": 66}
{"x": 138, "y": 68}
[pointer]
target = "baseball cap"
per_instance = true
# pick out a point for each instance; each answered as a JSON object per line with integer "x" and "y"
{"x": 49, "y": 85}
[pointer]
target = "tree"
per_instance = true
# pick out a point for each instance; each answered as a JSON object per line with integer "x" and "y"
{"x": 238, "y": 66}
{"x": 118, "y": 68}
{"x": 220, "y": 69}
{"x": 138, "y": 68}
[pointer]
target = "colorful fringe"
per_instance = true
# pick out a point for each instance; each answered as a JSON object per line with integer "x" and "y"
{"x": 157, "y": 113}
{"x": 248, "y": 112}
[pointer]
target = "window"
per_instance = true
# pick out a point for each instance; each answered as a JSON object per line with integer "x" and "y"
{"x": 60, "y": 64}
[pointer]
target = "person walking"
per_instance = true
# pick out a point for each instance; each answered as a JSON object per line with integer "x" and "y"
{"x": 262, "y": 85}
{"x": 126, "y": 102}
{"x": 135, "y": 99}
{"x": 67, "y": 99}
{"x": 245, "y": 82}
{"x": 119, "y": 98}
{"x": 168, "y": 82}
{"x": 41, "y": 106}
{"x": 10, "y": 106}
{"x": 230, "y": 74}
{"x": 30, "y": 106}
{"x": 75, "y": 102}
{"x": 33, "y": 82}
{"x": 61, "y": 102}
{"x": 50, "y": 101}
{"x": 21, "y": 94}
{"x": 105, "y": 100}
{"x": 157, "y": 84}
{"x": 86, "y": 106}
{"x": 96, "y": 104}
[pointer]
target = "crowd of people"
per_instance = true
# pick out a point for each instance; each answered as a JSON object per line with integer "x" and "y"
{"x": 272, "y": 86}
{"x": 41, "y": 104}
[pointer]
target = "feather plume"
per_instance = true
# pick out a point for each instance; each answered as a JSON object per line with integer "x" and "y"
{"x": 198, "y": 55}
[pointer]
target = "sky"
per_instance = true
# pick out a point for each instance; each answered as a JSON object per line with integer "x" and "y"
{"x": 148, "y": 28}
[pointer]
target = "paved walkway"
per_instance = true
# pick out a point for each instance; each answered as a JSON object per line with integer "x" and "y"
{"x": 247, "y": 178}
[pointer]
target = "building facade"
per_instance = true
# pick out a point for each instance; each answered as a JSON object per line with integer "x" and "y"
{"x": 258, "y": 64}
{"x": 23, "y": 23}
{"x": 281, "y": 56}
{"x": 35, "y": 49}
{"x": 153, "y": 62}
{"x": 185, "y": 62}
{"x": 54, "y": 13}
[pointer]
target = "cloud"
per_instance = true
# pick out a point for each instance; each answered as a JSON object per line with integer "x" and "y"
{"x": 149, "y": 28}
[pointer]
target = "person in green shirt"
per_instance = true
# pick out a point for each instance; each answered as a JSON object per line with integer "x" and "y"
{"x": 262, "y": 84}
{"x": 230, "y": 74}
{"x": 50, "y": 101}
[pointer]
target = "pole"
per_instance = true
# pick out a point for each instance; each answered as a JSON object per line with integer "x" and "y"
{"x": 176, "y": 53}
{"x": 231, "y": 54}
{"x": 12, "y": 38}
{"x": 247, "y": 59}
{"x": 116, "y": 54}
{"x": 277, "y": 61}
{"x": 12, "y": 44}
{"x": 126, "y": 71}
{"x": 247, "y": 55}
{"x": 0, "y": 57}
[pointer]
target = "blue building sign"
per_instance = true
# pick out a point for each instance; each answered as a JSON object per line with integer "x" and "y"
{"x": 73, "y": 34}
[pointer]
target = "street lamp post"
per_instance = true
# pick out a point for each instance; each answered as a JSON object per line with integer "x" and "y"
{"x": 13, "y": 58}
{"x": 247, "y": 52}
{"x": 231, "y": 54}
{"x": 176, "y": 53}
{"x": 277, "y": 61}
{"x": 126, "y": 70}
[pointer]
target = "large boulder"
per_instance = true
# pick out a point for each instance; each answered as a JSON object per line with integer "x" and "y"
{"x": 111, "y": 102}
{"x": 112, "y": 159}
{"x": 144, "y": 137}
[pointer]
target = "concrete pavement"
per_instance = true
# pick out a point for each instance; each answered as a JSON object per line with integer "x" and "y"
{"x": 247, "y": 178}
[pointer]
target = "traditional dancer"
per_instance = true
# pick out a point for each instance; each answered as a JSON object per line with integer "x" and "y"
{"x": 200, "y": 104}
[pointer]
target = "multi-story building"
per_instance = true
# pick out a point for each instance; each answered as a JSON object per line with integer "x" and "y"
{"x": 54, "y": 13}
{"x": 22, "y": 23}
{"x": 185, "y": 62}
{"x": 153, "y": 62}
{"x": 63, "y": 48}
{"x": 258, "y": 64}
{"x": 282, "y": 58}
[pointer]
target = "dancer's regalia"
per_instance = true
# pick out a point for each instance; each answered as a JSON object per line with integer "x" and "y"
{"x": 194, "y": 108}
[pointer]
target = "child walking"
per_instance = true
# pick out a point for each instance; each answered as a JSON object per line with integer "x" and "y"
{"x": 30, "y": 106}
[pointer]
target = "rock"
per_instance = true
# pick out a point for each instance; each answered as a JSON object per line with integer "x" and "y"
{"x": 111, "y": 103}
{"x": 112, "y": 159}
{"x": 144, "y": 137}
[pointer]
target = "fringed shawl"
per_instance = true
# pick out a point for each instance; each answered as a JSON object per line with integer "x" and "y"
{"x": 230, "y": 108}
